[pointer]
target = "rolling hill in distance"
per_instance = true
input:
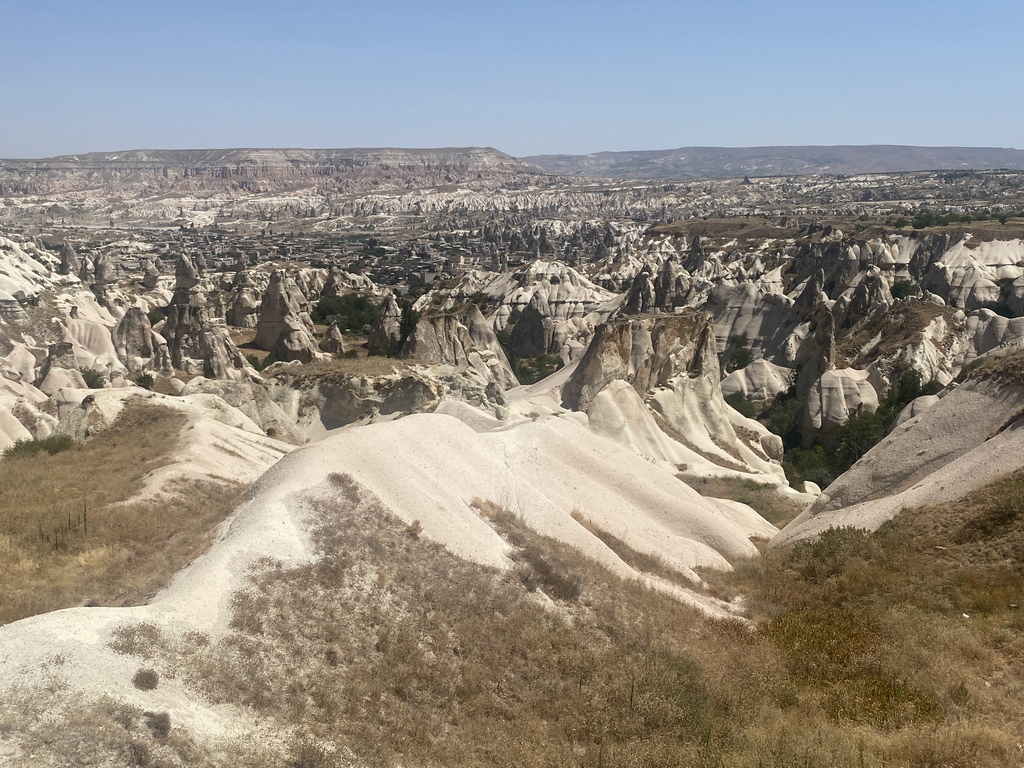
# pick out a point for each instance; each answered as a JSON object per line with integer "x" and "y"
{"x": 347, "y": 169}
{"x": 726, "y": 162}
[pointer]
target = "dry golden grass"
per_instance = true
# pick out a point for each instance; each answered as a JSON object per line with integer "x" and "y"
{"x": 640, "y": 561}
{"x": 1006, "y": 369}
{"x": 102, "y": 732}
{"x": 391, "y": 649}
{"x": 67, "y": 538}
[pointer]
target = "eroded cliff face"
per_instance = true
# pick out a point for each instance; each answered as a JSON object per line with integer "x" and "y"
{"x": 446, "y": 340}
{"x": 669, "y": 363}
{"x": 645, "y": 351}
{"x": 319, "y": 399}
{"x": 845, "y": 316}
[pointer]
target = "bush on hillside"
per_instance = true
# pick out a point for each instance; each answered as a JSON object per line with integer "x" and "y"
{"x": 93, "y": 379}
{"x": 24, "y": 449}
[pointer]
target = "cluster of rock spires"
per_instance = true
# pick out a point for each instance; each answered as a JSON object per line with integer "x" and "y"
{"x": 284, "y": 326}
{"x": 659, "y": 373}
{"x": 826, "y": 309}
{"x": 549, "y": 307}
{"x": 65, "y": 317}
{"x": 650, "y": 367}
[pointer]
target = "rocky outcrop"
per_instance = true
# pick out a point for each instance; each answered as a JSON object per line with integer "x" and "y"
{"x": 483, "y": 336}
{"x": 11, "y": 310}
{"x": 252, "y": 399}
{"x": 105, "y": 271}
{"x": 445, "y": 340}
{"x": 641, "y": 297}
{"x": 671, "y": 364}
{"x": 386, "y": 331}
{"x": 70, "y": 264}
{"x": 761, "y": 380}
{"x": 869, "y": 298}
{"x": 832, "y": 399}
{"x": 59, "y": 369}
{"x": 86, "y": 271}
{"x": 332, "y": 343}
{"x": 221, "y": 359}
{"x": 645, "y": 351}
{"x": 533, "y": 334}
{"x": 339, "y": 282}
{"x": 186, "y": 277}
{"x": 818, "y": 352}
{"x": 138, "y": 347}
{"x": 151, "y": 277}
{"x": 316, "y": 401}
{"x": 695, "y": 259}
{"x": 671, "y": 286}
{"x": 188, "y": 312}
{"x": 198, "y": 341}
{"x": 243, "y": 305}
{"x": 284, "y": 326}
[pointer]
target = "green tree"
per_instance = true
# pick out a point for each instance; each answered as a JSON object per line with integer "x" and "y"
{"x": 351, "y": 311}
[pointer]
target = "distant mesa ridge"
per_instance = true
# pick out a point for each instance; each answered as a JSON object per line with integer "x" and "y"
{"x": 258, "y": 170}
{"x": 143, "y": 171}
{"x": 458, "y": 156}
{"x": 733, "y": 162}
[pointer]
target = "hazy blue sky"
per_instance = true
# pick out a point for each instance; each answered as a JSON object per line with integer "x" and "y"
{"x": 526, "y": 77}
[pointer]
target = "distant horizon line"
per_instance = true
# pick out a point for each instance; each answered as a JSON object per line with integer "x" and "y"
{"x": 495, "y": 149}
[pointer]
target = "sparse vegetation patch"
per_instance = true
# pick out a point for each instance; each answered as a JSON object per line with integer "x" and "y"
{"x": 66, "y": 536}
{"x": 389, "y": 651}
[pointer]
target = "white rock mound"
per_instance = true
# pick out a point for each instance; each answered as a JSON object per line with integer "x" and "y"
{"x": 425, "y": 469}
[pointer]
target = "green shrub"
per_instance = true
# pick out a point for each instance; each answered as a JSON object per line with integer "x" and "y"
{"x": 155, "y": 316}
{"x": 24, "y": 449}
{"x": 739, "y": 354}
{"x": 813, "y": 464}
{"x": 159, "y": 723}
{"x": 530, "y": 370}
{"x": 145, "y": 380}
{"x": 743, "y": 404}
{"x": 410, "y": 317}
{"x": 901, "y": 289}
{"x": 146, "y": 679}
{"x": 93, "y": 379}
{"x": 261, "y": 364}
{"x": 783, "y": 417}
{"x": 857, "y": 436}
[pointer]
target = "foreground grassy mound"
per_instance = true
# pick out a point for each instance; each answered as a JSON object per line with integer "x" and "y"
{"x": 66, "y": 536}
{"x": 901, "y": 648}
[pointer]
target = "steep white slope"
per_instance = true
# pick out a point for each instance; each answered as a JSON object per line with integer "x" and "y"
{"x": 958, "y": 423}
{"x": 971, "y": 436}
{"x": 427, "y": 468}
{"x": 985, "y": 463}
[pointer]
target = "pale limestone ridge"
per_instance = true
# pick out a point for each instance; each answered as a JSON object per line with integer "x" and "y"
{"x": 670, "y": 365}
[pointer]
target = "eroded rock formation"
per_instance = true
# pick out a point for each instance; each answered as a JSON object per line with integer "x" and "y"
{"x": 284, "y": 325}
